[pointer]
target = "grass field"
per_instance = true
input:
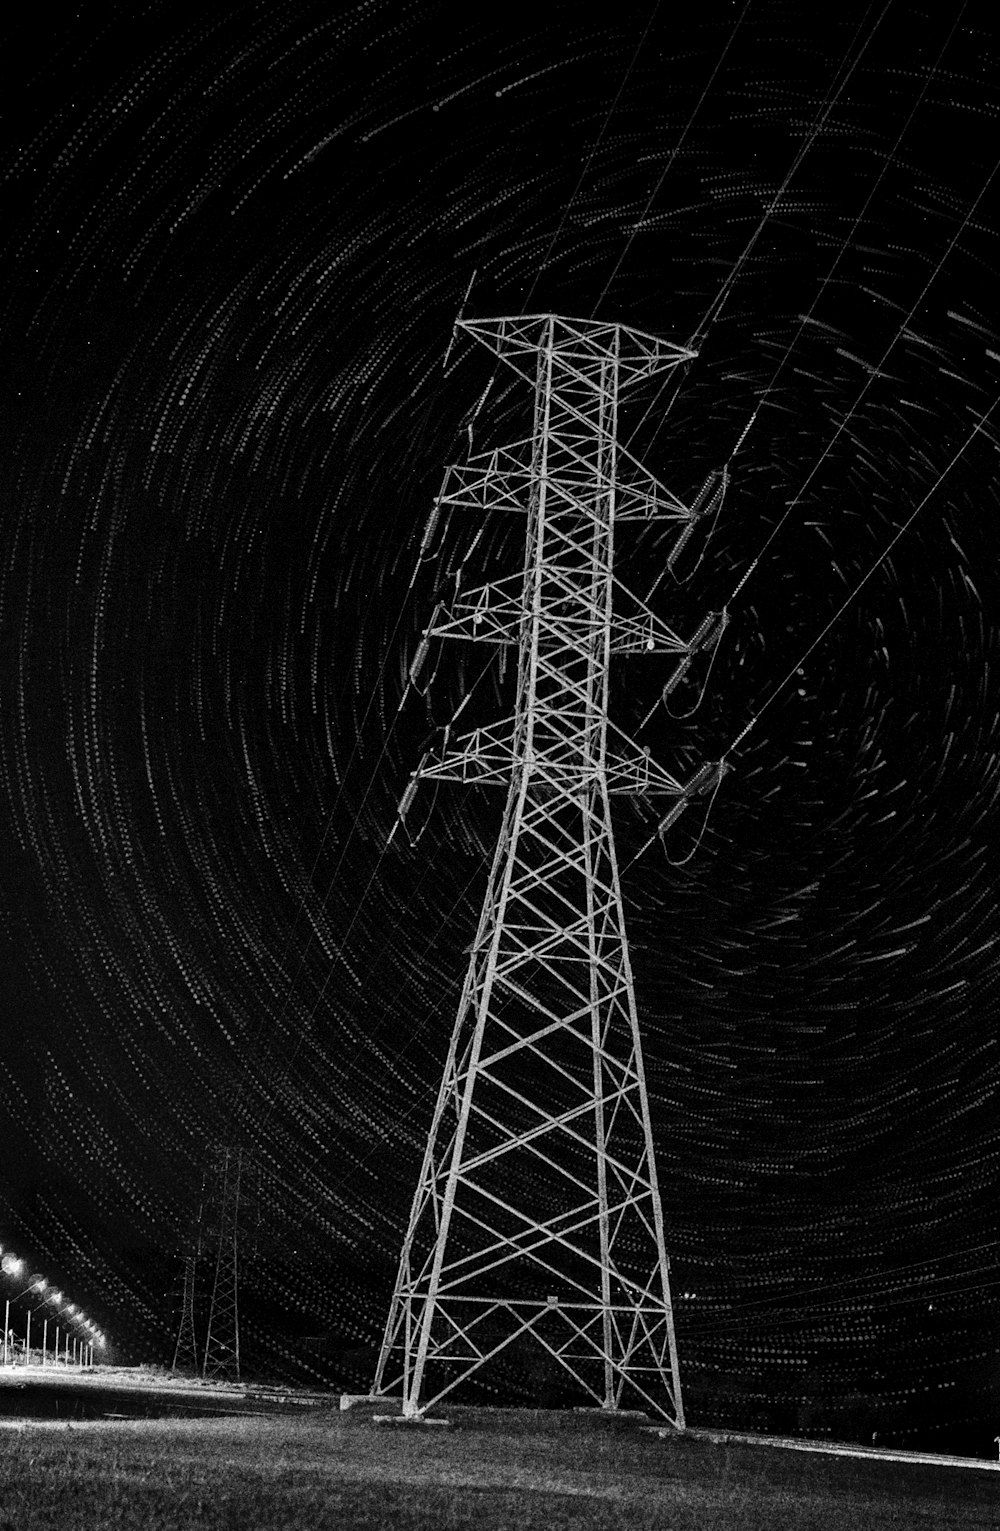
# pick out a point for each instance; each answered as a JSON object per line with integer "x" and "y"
{"x": 532, "y": 1473}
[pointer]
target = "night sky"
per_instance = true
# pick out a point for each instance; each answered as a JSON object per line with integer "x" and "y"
{"x": 232, "y": 248}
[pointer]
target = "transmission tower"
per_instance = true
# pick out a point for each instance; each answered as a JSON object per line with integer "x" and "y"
{"x": 186, "y": 1349}
{"x": 222, "y": 1339}
{"x": 537, "y": 1214}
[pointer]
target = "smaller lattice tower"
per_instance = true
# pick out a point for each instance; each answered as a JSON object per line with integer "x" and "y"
{"x": 222, "y": 1339}
{"x": 186, "y": 1349}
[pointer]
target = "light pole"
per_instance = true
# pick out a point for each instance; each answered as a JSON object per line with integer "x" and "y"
{"x": 11, "y": 1266}
{"x": 73, "y": 1314}
{"x": 58, "y": 1302}
{"x": 36, "y": 1284}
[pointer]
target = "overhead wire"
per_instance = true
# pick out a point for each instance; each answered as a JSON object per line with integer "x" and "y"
{"x": 980, "y": 423}
{"x": 673, "y": 155}
{"x": 590, "y": 159}
{"x": 718, "y": 302}
{"x": 758, "y": 713}
{"x": 901, "y": 329}
{"x": 848, "y": 239}
{"x": 761, "y": 1304}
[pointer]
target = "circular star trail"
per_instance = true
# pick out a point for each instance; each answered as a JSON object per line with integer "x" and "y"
{"x": 236, "y": 243}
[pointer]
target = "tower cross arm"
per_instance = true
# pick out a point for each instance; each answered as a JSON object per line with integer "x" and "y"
{"x": 490, "y": 613}
{"x": 485, "y": 757}
{"x": 489, "y": 757}
{"x": 494, "y": 613}
{"x": 583, "y": 342}
{"x": 500, "y": 479}
{"x": 640, "y": 630}
{"x": 637, "y": 774}
{"x": 639, "y": 495}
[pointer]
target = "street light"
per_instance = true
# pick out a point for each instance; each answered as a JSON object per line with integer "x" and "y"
{"x": 63, "y": 1307}
{"x": 11, "y": 1266}
{"x": 40, "y": 1285}
{"x": 72, "y": 1313}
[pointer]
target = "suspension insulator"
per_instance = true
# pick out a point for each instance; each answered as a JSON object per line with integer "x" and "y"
{"x": 432, "y": 521}
{"x": 406, "y": 801}
{"x": 418, "y": 660}
{"x": 711, "y": 494}
{"x": 703, "y": 493}
{"x": 680, "y": 544}
{"x": 723, "y": 623}
{"x": 698, "y": 635}
{"x": 677, "y": 676}
{"x": 716, "y": 500}
{"x": 672, "y": 816}
{"x": 714, "y": 774}
{"x": 699, "y": 780}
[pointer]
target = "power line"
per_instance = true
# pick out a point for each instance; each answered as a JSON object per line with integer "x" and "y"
{"x": 866, "y": 576}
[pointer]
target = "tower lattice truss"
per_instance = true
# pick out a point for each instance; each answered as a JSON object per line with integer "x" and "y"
{"x": 537, "y": 1224}
{"x": 221, "y": 1361}
{"x": 186, "y": 1348}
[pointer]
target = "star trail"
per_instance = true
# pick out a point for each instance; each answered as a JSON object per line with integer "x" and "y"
{"x": 235, "y": 243}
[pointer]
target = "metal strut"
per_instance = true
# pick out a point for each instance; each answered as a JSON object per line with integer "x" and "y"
{"x": 537, "y": 1228}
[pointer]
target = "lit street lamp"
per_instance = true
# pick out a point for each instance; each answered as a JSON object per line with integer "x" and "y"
{"x": 11, "y": 1266}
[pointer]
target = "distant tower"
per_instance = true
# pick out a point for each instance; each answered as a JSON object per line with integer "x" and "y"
{"x": 537, "y": 1215}
{"x": 186, "y": 1349}
{"x": 222, "y": 1339}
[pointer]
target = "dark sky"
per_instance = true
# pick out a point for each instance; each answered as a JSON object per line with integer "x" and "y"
{"x": 233, "y": 246}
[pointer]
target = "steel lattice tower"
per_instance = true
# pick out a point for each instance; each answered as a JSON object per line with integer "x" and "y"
{"x": 222, "y": 1337}
{"x": 186, "y": 1349}
{"x": 537, "y": 1214}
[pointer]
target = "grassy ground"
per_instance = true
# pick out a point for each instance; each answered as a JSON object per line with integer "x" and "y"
{"x": 338, "y": 1471}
